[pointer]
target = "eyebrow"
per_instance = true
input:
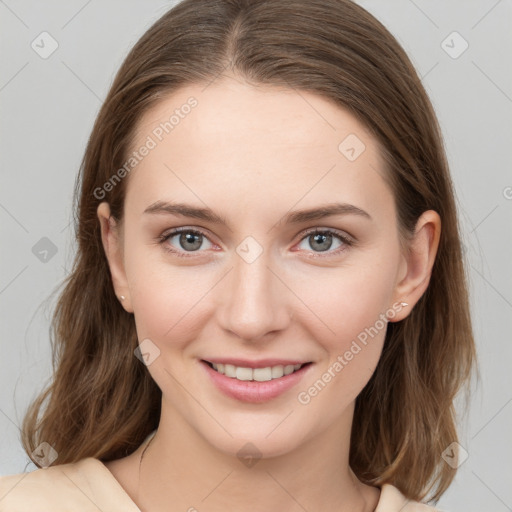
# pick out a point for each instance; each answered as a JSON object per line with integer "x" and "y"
{"x": 293, "y": 217}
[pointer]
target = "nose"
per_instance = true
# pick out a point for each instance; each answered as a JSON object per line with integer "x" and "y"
{"x": 254, "y": 302}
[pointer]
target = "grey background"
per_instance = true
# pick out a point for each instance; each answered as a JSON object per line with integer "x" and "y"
{"x": 48, "y": 107}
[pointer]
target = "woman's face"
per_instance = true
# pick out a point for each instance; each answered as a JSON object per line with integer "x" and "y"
{"x": 248, "y": 283}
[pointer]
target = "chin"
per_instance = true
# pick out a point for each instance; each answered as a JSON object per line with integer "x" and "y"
{"x": 251, "y": 446}
{"x": 257, "y": 437}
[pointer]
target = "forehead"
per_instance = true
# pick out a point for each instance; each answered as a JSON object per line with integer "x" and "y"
{"x": 231, "y": 108}
{"x": 238, "y": 138}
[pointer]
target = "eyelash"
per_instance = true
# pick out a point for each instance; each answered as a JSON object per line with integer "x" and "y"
{"x": 347, "y": 242}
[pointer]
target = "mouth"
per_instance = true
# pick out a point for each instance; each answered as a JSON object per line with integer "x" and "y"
{"x": 255, "y": 381}
{"x": 264, "y": 374}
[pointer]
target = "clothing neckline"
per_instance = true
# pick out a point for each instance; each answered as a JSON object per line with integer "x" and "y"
{"x": 110, "y": 480}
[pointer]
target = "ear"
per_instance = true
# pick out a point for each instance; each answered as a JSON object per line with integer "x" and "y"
{"x": 417, "y": 263}
{"x": 111, "y": 238}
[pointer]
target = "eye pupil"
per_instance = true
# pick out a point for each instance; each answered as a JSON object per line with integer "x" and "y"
{"x": 321, "y": 238}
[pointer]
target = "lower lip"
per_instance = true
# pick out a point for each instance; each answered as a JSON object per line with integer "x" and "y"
{"x": 254, "y": 391}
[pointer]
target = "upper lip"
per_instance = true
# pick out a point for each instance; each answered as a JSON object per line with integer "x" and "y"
{"x": 261, "y": 363}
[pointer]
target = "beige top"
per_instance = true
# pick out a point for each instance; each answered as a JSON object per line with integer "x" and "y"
{"x": 89, "y": 486}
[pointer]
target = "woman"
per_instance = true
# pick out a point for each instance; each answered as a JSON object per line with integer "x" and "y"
{"x": 268, "y": 307}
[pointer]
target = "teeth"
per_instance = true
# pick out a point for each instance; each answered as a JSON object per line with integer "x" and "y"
{"x": 257, "y": 374}
{"x": 277, "y": 371}
{"x": 243, "y": 373}
{"x": 262, "y": 374}
{"x": 229, "y": 370}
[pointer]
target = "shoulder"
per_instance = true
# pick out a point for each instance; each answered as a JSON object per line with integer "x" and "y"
{"x": 81, "y": 486}
{"x": 392, "y": 500}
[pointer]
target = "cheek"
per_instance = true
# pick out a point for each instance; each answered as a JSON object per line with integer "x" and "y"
{"x": 168, "y": 306}
{"x": 350, "y": 324}
{"x": 165, "y": 298}
{"x": 345, "y": 301}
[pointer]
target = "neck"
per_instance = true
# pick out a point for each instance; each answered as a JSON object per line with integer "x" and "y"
{"x": 181, "y": 471}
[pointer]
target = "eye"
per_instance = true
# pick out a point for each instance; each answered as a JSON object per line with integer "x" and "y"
{"x": 187, "y": 240}
{"x": 322, "y": 241}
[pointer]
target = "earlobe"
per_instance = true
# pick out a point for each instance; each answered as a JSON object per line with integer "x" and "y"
{"x": 111, "y": 241}
{"x": 419, "y": 262}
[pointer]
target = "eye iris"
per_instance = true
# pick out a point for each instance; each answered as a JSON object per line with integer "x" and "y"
{"x": 321, "y": 238}
{"x": 190, "y": 238}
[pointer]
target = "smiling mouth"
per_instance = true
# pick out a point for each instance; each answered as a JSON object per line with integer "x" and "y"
{"x": 255, "y": 374}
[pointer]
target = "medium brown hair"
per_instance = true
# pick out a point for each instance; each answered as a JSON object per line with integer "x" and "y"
{"x": 102, "y": 401}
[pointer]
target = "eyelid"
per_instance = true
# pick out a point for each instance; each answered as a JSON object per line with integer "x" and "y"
{"x": 346, "y": 237}
{"x": 168, "y": 234}
{"x": 180, "y": 229}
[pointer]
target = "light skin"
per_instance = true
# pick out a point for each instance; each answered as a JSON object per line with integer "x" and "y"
{"x": 253, "y": 154}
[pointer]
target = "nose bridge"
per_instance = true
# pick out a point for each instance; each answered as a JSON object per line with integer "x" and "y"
{"x": 254, "y": 303}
